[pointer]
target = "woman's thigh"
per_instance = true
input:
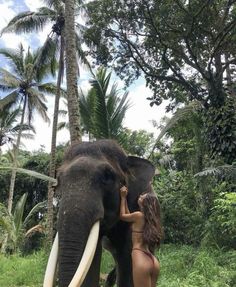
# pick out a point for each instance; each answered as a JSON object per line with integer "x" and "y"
{"x": 142, "y": 266}
{"x": 155, "y": 272}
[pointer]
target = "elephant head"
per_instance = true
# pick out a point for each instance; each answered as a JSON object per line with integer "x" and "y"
{"x": 89, "y": 181}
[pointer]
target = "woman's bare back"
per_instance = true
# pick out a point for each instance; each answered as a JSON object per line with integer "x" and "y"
{"x": 146, "y": 267}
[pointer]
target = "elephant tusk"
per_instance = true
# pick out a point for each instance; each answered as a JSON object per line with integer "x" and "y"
{"x": 52, "y": 263}
{"x": 87, "y": 258}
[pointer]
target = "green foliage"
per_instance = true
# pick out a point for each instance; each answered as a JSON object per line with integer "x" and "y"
{"x": 181, "y": 210}
{"x": 9, "y": 127}
{"x": 137, "y": 143}
{"x": 220, "y": 130}
{"x": 37, "y": 188}
{"x": 14, "y": 225}
{"x": 16, "y": 270}
{"x": 186, "y": 52}
{"x": 22, "y": 82}
{"x": 181, "y": 266}
{"x": 221, "y": 226}
{"x": 184, "y": 266}
{"x": 102, "y": 109}
{"x": 185, "y": 140}
{"x": 179, "y": 46}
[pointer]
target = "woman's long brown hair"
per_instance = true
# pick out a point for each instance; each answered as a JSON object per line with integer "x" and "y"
{"x": 152, "y": 232}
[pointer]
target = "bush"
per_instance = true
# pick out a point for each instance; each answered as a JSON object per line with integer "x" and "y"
{"x": 220, "y": 229}
{"x": 181, "y": 212}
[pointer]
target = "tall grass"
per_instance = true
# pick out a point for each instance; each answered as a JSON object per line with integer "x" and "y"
{"x": 181, "y": 266}
{"x": 185, "y": 266}
{"x": 26, "y": 271}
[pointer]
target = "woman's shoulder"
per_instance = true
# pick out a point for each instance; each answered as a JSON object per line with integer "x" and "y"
{"x": 138, "y": 213}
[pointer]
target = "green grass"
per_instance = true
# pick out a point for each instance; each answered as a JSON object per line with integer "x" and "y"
{"x": 181, "y": 266}
{"x": 26, "y": 271}
{"x": 185, "y": 266}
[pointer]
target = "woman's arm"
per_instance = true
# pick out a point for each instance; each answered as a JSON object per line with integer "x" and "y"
{"x": 125, "y": 214}
{"x": 126, "y": 207}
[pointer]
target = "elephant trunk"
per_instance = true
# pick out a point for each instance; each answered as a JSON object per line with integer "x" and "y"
{"x": 75, "y": 223}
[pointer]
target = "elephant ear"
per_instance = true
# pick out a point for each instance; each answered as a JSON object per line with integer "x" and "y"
{"x": 140, "y": 174}
{"x": 142, "y": 169}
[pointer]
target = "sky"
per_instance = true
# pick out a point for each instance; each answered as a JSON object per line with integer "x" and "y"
{"x": 139, "y": 116}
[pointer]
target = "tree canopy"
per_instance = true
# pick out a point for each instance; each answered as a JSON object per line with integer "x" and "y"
{"x": 183, "y": 48}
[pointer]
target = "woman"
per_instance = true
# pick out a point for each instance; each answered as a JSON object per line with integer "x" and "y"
{"x": 146, "y": 236}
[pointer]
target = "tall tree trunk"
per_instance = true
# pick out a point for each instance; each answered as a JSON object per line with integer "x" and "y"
{"x": 71, "y": 71}
{"x": 15, "y": 155}
{"x": 52, "y": 167}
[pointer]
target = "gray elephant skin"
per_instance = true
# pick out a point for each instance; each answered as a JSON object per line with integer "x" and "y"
{"x": 89, "y": 181}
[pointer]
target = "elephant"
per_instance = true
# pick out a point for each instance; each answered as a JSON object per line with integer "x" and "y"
{"x": 89, "y": 181}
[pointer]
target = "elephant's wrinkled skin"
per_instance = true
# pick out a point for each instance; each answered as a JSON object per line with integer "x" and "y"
{"x": 89, "y": 183}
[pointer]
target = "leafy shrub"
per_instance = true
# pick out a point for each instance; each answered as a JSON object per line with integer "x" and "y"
{"x": 181, "y": 212}
{"x": 221, "y": 226}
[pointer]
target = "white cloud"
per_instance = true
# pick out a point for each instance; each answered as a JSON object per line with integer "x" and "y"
{"x": 13, "y": 41}
{"x": 141, "y": 114}
{"x": 44, "y": 130}
{"x": 6, "y": 13}
{"x": 42, "y": 35}
{"x": 10, "y": 40}
{"x": 33, "y": 5}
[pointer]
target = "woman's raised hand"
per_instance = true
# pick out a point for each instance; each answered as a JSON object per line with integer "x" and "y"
{"x": 123, "y": 191}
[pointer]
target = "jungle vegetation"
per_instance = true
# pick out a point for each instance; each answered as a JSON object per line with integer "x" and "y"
{"x": 185, "y": 52}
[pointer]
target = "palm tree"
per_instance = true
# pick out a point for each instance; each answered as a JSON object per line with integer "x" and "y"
{"x": 15, "y": 225}
{"x": 102, "y": 110}
{"x": 190, "y": 111}
{"x": 30, "y": 21}
{"x": 25, "y": 89}
{"x": 9, "y": 127}
{"x": 53, "y": 12}
{"x": 71, "y": 71}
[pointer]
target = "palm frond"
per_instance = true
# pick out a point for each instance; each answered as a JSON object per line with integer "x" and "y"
{"x": 37, "y": 228}
{"x": 15, "y": 57}
{"x": 29, "y": 58}
{"x": 87, "y": 106}
{"x": 62, "y": 113}
{"x": 27, "y": 22}
{"x": 39, "y": 206}
{"x": 8, "y": 80}
{"x": 8, "y": 118}
{"x": 31, "y": 173}
{"x": 81, "y": 54}
{"x": 9, "y": 100}
{"x": 36, "y": 102}
{"x": 222, "y": 170}
{"x": 62, "y": 125}
{"x": 120, "y": 110}
{"x": 100, "y": 84}
{"x": 46, "y": 57}
{"x": 51, "y": 89}
{"x": 24, "y": 127}
{"x": 6, "y": 220}
{"x": 180, "y": 114}
{"x": 19, "y": 211}
{"x": 27, "y": 136}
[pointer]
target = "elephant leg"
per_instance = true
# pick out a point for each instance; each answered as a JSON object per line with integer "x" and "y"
{"x": 111, "y": 278}
{"x": 120, "y": 239}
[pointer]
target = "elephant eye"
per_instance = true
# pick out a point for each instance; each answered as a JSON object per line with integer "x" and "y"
{"x": 107, "y": 176}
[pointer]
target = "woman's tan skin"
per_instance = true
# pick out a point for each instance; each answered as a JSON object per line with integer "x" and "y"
{"x": 146, "y": 267}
